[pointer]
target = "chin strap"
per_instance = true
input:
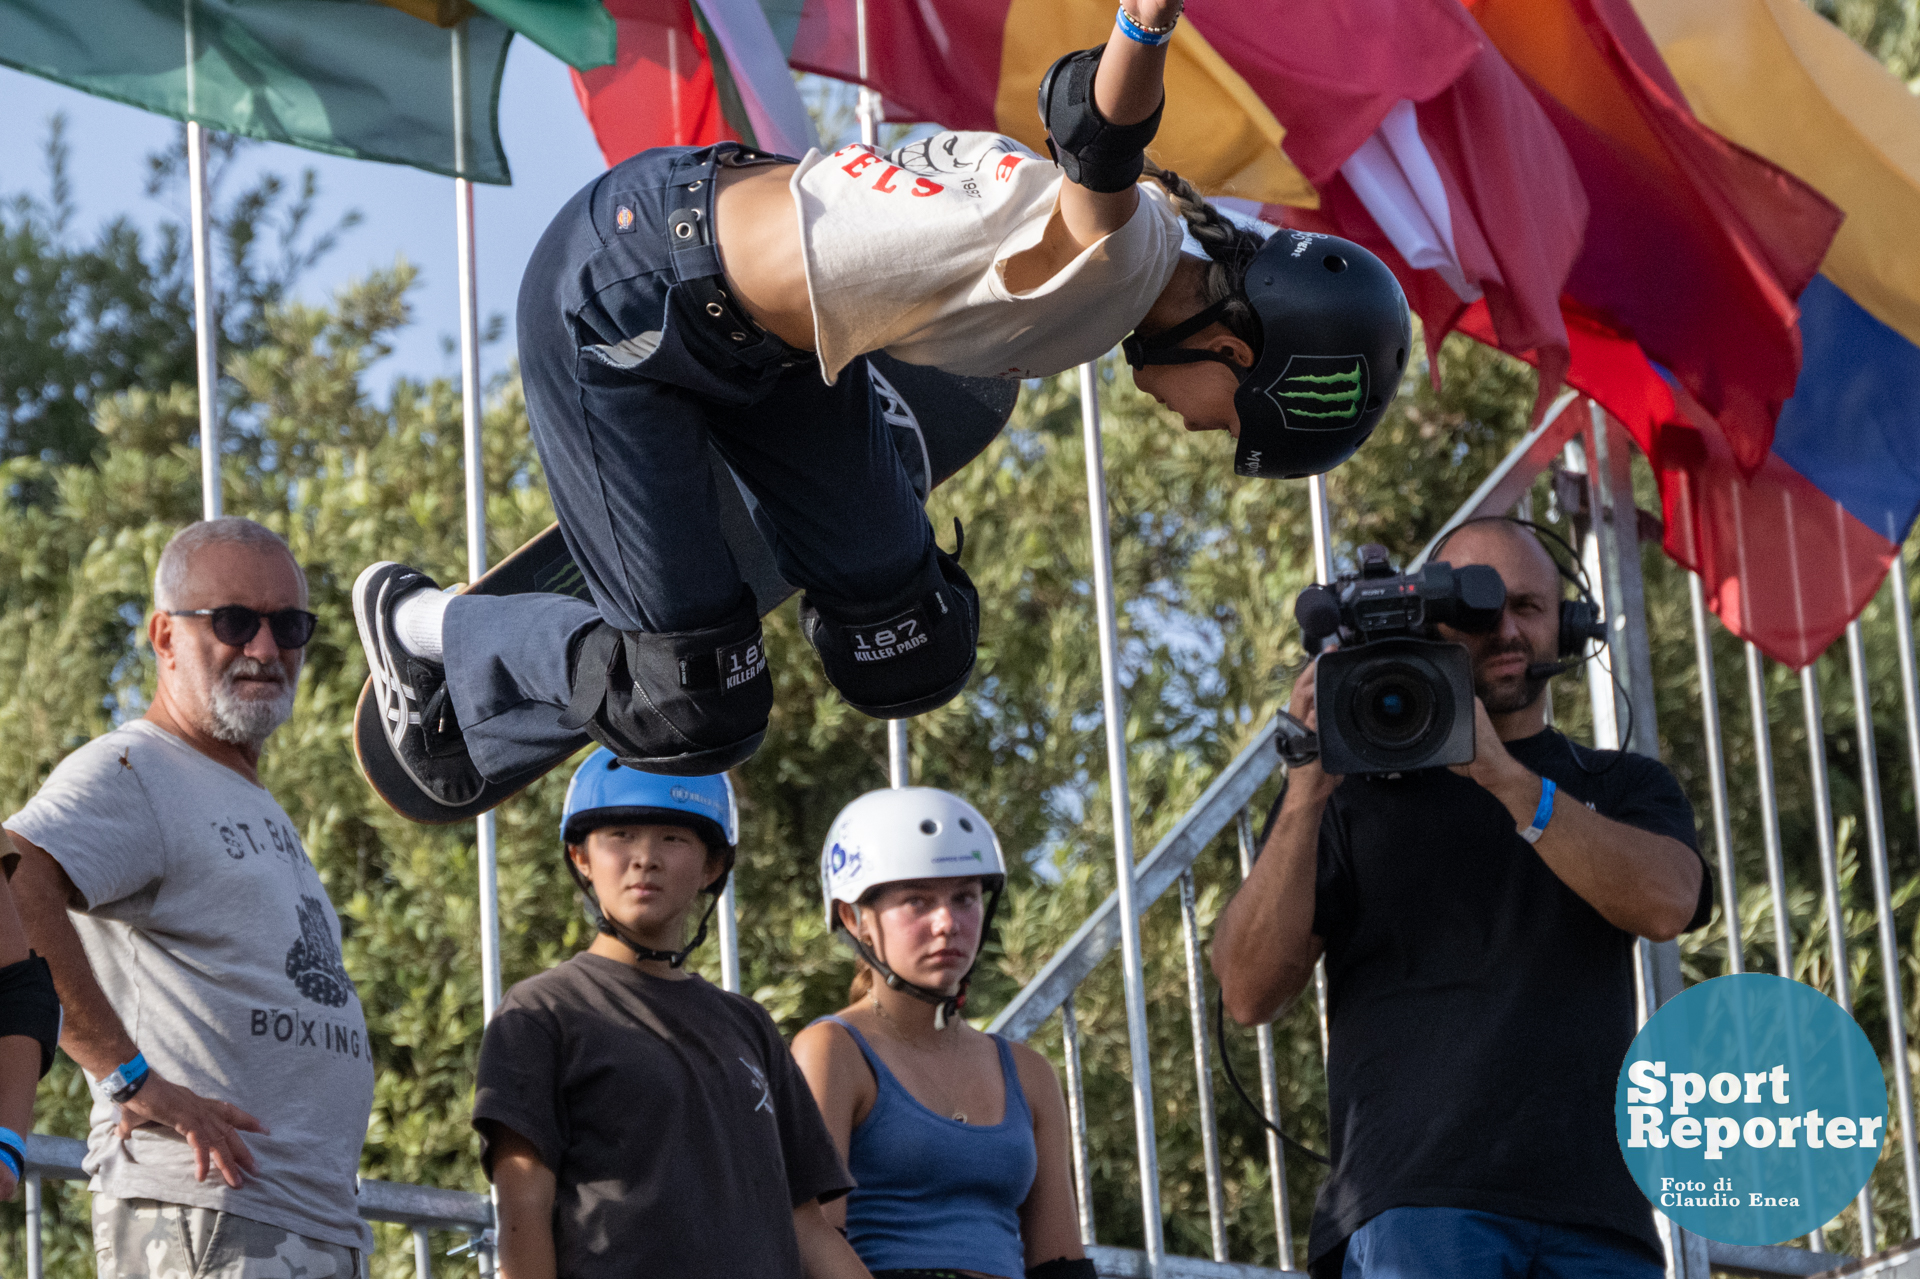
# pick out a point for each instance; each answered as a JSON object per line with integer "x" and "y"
{"x": 1164, "y": 347}
{"x": 944, "y": 1005}
{"x": 672, "y": 958}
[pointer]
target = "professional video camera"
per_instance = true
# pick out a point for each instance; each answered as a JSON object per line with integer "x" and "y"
{"x": 1393, "y": 698}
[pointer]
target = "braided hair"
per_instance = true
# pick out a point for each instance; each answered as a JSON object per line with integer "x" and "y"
{"x": 1229, "y": 246}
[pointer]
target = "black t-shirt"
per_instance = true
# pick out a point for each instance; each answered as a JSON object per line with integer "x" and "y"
{"x": 1478, "y": 1008}
{"x": 677, "y": 1126}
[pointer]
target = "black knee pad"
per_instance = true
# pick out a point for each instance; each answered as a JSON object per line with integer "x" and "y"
{"x": 904, "y": 655}
{"x": 684, "y": 703}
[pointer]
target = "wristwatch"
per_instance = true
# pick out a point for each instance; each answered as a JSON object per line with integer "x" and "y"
{"x": 121, "y": 1086}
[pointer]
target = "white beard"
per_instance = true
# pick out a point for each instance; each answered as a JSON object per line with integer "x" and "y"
{"x": 240, "y": 720}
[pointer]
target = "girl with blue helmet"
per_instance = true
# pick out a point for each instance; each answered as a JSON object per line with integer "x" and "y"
{"x": 957, "y": 1138}
{"x": 589, "y": 1182}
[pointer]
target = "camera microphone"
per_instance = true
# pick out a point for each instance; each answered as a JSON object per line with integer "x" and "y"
{"x": 1318, "y": 613}
{"x": 1547, "y": 670}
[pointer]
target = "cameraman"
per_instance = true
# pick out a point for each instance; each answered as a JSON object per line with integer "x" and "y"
{"x": 1480, "y": 986}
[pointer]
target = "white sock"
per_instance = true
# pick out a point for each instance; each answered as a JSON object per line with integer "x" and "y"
{"x": 418, "y": 620}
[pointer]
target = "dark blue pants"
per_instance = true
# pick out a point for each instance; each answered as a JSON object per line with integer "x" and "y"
{"x": 1457, "y": 1243}
{"x": 632, "y": 371}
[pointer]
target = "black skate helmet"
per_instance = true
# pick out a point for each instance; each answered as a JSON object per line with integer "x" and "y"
{"x": 1334, "y": 340}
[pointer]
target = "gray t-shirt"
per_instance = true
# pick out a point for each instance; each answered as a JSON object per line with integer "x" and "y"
{"x": 215, "y": 942}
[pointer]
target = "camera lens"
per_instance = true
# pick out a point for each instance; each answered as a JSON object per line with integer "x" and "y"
{"x": 1394, "y": 706}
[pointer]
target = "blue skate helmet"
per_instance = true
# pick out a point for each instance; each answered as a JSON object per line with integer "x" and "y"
{"x": 605, "y": 792}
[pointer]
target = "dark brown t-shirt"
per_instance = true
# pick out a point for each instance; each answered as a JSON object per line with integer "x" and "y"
{"x": 678, "y": 1128}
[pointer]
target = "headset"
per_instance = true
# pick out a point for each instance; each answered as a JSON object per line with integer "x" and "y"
{"x": 1581, "y": 620}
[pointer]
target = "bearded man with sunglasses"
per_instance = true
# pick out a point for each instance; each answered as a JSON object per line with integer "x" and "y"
{"x": 195, "y": 950}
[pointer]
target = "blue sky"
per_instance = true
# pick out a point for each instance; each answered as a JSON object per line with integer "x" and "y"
{"x": 407, "y": 213}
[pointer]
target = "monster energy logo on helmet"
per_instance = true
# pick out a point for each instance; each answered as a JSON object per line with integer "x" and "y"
{"x": 1321, "y": 392}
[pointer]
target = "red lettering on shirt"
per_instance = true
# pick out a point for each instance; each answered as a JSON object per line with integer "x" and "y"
{"x": 922, "y": 186}
{"x": 854, "y": 167}
{"x": 1003, "y": 171}
{"x": 882, "y": 184}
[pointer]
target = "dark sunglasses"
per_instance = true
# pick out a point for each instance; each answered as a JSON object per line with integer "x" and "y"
{"x": 236, "y": 624}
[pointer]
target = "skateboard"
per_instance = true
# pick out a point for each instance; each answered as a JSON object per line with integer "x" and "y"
{"x": 939, "y": 423}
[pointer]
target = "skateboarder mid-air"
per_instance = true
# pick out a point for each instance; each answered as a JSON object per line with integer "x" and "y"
{"x": 718, "y": 298}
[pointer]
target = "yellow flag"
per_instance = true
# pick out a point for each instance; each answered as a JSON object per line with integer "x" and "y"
{"x": 1783, "y": 82}
{"x": 1216, "y": 132}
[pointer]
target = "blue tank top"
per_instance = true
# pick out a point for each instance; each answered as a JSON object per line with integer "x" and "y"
{"x": 934, "y": 1193}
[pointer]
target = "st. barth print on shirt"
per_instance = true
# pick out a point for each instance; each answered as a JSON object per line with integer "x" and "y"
{"x": 213, "y": 938}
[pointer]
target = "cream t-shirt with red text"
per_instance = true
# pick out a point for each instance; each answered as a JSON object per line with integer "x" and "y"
{"x": 906, "y": 253}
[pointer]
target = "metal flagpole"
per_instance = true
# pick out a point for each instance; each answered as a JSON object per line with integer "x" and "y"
{"x": 867, "y": 111}
{"x": 1769, "y": 811}
{"x": 1322, "y": 573}
{"x": 1883, "y": 911}
{"x": 1830, "y": 881}
{"x": 473, "y": 459}
{"x": 1770, "y": 835}
{"x": 1116, "y": 721}
{"x": 1716, "y": 771}
{"x": 1269, "y": 1084}
{"x": 206, "y": 339}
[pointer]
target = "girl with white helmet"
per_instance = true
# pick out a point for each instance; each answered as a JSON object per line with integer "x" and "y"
{"x": 618, "y": 1092}
{"x": 957, "y": 1139}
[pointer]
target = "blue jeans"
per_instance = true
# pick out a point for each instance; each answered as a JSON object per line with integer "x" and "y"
{"x": 633, "y": 370}
{"x": 1445, "y": 1243}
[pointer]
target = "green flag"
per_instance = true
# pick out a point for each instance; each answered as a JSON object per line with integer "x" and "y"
{"x": 578, "y": 32}
{"x": 351, "y": 77}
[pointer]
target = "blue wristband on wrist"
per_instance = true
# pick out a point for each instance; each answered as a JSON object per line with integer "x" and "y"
{"x": 120, "y": 1086}
{"x": 1133, "y": 31}
{"x": 1541, "y": 815}
{"x": 13, "y": 1151}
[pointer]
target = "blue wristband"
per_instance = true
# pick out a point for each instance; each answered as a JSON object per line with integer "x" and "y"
{"x": 1541, "y": 815}
{"x": 13, "y": 1151}
{"x": 1133, "y": 31}
{"x": 120, "y": 1086}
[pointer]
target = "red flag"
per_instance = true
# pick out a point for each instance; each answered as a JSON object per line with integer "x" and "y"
{"x": 1784, "y": 564}
{"x": 660, "y": 90}
{"x": 1330, "y": 72}
{"x": 1695, "y": 247}
{"x": 1516, "y": 210}
{"x": 928, "y": 59}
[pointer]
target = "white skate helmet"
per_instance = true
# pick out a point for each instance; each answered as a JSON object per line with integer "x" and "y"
{"x": 913, "y": 832}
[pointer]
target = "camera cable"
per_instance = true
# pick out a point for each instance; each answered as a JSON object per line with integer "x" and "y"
{"x": 1226, "y": 1060}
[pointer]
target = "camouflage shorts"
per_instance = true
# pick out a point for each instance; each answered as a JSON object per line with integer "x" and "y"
{"x": 146, "y": 1239}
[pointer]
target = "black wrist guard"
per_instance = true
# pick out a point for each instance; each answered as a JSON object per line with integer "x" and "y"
{"x": 1093, "y": 153}
{"x": 28, "y": 1005}
{"x": 1061, "y": 1268}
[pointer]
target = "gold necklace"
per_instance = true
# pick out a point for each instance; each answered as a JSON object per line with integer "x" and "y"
{"x": 893, "y": 1028}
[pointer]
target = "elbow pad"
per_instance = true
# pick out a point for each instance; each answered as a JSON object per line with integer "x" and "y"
{"x": 1092, "y": 152}
{"x": 29, "y": 1006}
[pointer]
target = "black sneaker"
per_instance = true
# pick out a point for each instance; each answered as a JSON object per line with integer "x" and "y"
{"x": 410, "y": 694}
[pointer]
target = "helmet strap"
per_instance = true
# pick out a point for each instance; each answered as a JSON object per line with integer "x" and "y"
{"x": 671, "y": 958}
{"x": 944, "y": 1005}
{"x": 1164, "y": 347}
